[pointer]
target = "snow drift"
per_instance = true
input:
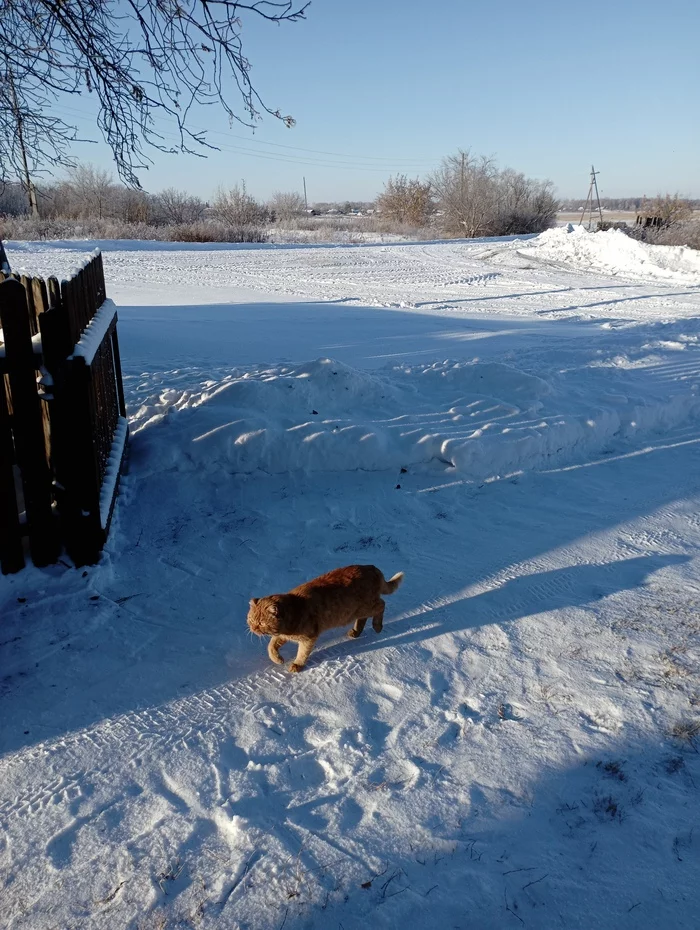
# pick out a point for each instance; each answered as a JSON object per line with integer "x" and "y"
{"x": 482, "y": 419}
{"x": 613, "y": 252}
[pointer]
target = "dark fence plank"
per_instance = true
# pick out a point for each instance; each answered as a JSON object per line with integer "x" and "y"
{"x": 28, "y": 423}
{"x": 101, "y": 287}
{"x": 11, "y": 549}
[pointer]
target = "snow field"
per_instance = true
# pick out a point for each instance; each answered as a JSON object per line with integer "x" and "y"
{"x": 519, "y": 746}
{"x": 520, "y": 716}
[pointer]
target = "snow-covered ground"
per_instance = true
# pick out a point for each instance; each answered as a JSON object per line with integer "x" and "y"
{"x": 514, "y": 424}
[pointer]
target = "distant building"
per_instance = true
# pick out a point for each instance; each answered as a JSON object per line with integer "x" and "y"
{"x": 646, "y": 221}
{"x": 603, "y": 225}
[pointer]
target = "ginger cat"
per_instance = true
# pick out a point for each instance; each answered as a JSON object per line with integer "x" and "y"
{"x": 343, "y": 596}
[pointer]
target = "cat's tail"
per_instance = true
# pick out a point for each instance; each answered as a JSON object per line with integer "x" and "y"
{"x": 388, "y": 587}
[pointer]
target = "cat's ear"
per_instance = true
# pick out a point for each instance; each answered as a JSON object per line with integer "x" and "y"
{"x": 272, "y": 609}
{"x": 254, "y": 601}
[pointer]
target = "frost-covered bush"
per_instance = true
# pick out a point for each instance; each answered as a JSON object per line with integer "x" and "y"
{"x": 34, "y": 228}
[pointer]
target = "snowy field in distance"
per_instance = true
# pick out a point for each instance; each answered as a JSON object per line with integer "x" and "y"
{"x": 514, "y": 424}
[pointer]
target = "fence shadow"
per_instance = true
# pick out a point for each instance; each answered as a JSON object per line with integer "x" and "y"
{"x": 528, "y": 595}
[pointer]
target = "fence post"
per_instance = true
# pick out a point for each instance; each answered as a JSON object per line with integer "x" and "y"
{"x": 11, "y": 549}
{"x": 28, "y": 423}
{"x": 57, "y": 345}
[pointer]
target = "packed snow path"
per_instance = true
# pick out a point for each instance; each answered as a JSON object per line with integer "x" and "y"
{"x": 519, "y": 747}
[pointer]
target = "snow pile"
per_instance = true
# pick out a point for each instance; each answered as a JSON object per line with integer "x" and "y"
{"x": 483, "y": 419}
{"x": 613, "y": 252}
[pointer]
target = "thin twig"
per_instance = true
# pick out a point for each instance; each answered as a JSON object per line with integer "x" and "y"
{"x": 401, "y": 891}
{"x": 316, "y": 868}
{"x": 505, "y": 899}
{"x": 112, "y": 895}
{"x": 536, "y": 881}
{"x": 390, "y": 879}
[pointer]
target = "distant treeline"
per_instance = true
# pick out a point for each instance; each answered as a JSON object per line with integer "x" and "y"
{"x": 629, "y": 204}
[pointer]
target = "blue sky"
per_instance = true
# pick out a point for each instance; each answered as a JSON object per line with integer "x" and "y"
{"x": 545, "y": 87}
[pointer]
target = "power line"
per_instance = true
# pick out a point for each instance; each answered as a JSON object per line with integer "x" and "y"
{"x": 293, "y": 160}
{"x": 350, "y": 161}
{"x": 279, "y": 145}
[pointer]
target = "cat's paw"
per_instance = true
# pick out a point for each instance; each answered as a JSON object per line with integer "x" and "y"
{"x": 294, "y": 667}
{"x": 277, "y": 659}
{"x": 353, "y": 634}
{"x": 377, "y": 628}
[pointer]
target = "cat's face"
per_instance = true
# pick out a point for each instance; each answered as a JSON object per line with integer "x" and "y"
{"x": 266, "y": 616}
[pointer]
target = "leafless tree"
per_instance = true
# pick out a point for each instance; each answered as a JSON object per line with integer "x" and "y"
{"x": 670, "y": 208}
{"x": 466, "y": 193}
{"x": 406, "y": 201}
{"x": 93, "y": 191}
{"x": 141, "y": 59}
{"x": 238, "y": 208}
{"x": 525, "y": 205}
{"x": 285, "y": 205}
{"x": 13, "y": 201}
{"x": 58, "y": 200}
{"x": 176, "y": 206}
{"x": 132, "y": 206}
{"x": 475, "y": 198}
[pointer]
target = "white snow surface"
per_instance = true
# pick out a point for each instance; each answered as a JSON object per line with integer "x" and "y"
{"x": 111, "y": 477}
{"x": 513, "y": 424}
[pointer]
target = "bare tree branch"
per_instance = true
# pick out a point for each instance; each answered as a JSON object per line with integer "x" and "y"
{"x": 140, "y": 59}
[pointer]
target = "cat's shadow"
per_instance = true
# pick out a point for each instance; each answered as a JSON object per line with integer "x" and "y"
{"x": 528, "y": 595}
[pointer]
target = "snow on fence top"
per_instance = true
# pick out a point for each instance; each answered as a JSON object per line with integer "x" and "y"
{"x": 80, "y": 266}
{"x": 96, "y": 330}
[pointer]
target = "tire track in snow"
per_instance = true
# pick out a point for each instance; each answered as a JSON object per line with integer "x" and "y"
{"x": 156, "y": 729}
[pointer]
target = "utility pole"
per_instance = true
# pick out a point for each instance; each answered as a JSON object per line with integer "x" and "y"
{"x": 592, "y": 187}
{"x": 19, "y": 122}
{"x": 306, "y": 202}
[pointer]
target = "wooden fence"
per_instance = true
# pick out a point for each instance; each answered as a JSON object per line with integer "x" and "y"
{"x": 63, "y": 429}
